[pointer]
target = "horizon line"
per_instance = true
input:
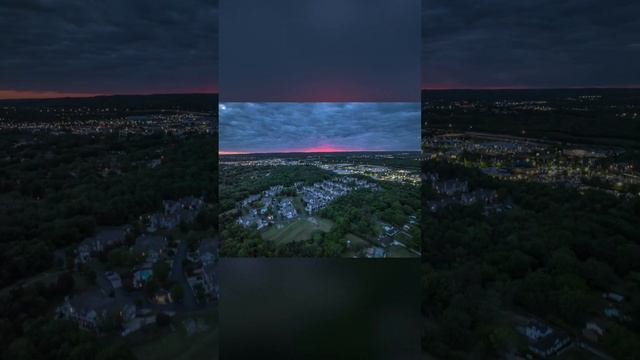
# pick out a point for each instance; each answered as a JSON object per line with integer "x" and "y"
{"x": 51, "y": 95}
{"x": 632, "y": 87}
{"x": 227, "y": 153}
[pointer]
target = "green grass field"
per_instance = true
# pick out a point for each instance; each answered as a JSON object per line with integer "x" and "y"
{"x": 160, "y": 345}
{"x": 397, "y": 251}
{"x": 403, "y": 237}
{"x": 298, "y": 203}
{"x": 298, "y": 230}
{"x": 574, "y": 353}
{"x": 357, "y": 241}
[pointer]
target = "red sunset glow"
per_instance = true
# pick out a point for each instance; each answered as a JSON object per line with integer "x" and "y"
{"x": 461, "y": 86}
{"x": 10, "y": 94}
{"x": 36, "y": 94}
{"x": 325, "y": 148}
{"x": 232, "y": 152}
{"x": 311, "y": 149}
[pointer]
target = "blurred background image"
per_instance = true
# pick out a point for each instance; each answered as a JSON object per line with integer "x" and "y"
{"x": 319, "y": 308}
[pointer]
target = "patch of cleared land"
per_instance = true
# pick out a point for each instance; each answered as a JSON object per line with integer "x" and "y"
{"x": 357, "y": 241}
{"x": 399, "y": 252}
{"x": 297, "y": 230}
{"x": 403, "y": 237}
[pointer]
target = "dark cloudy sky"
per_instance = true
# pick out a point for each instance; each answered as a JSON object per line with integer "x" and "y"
{"x": 530, "y": 43}
{"x": 108, "y": 47}
{"x": 298, "y": 127}
{"x": 320, "y": 50}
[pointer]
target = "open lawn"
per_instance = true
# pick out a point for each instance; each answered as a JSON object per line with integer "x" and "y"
{"x": 403, "y": 237}
{"x": 348, "y": 254}
{"x": 299, "y": 204}
{"x": 357, "y": 241}
{"x": 576, "y": 353}
{"x": 177, "y": 344}
{"x": 398, "y": 251}
{"x": 297, "y": 230}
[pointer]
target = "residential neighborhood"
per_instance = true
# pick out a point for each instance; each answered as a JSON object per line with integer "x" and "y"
{"x": 457, "y": 192}
{"x": 174, "y": 212}
{"x": 133, "y": 276}
{"x": 270, "y": 207}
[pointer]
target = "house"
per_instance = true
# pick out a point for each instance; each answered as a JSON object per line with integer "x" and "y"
{"x": 374, "y": 252}
{"x": 183, "y": 209}
{"x": 210, "y": 284}
{"x": 162, "y": 297}
{"x": 260, "y": 224}
{"x": 245, "y": 220}
{"x": 544, "y": 340}
{"x": 108, "y": 282}
{"x": 151, "y": 247}
{"x": 82, "y": 310}
{"x": 154, "y": 163}
{"x": 250, "y": 199}
{"x": 141, "y": 276}
{"x": 128, "y": 312}
{"x": 88, "y": 309}
{"x": 102, "y": 241}
{"x": 274, "y": 190}
{"x": 389, "y": 230}
{"x": 595, "y": 328}
{"x": 287, "y": 209}
{"x": 137, "y": 319}
{"x": 496, "y": 172}
{"x": 613, "y": 296}
{"x": 208, "y": 250}
{"x": 385, "y": 240}
{"x": 451, "y": 187}
{"x": 204, "y": 279}
{"x": 175, "y": 211}
{"x": 612, "y": 312}
{"x": 114, "y": 279}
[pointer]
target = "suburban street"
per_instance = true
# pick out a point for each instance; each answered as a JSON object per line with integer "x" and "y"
{"x": 177, "y": 274}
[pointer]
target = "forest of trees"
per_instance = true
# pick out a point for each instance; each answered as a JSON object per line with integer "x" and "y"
{"x": 57, "y": 190}
{"x": 552, "y": 257}
{"x": 359, "y": 212}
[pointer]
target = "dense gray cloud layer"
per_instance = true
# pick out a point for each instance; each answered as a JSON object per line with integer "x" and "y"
{"x": 109, "y": 46}
{"x": 530, "y": 43}
{"x": 320, "y": 50}
{"x": 283, "y": 127}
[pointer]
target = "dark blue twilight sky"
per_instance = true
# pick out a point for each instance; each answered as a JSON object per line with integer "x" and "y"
{"x": 320, "y": 50}
{"x": 319, "y": 127}
{"x": 530, "y": 43}
{"x": 82, "y": 47}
